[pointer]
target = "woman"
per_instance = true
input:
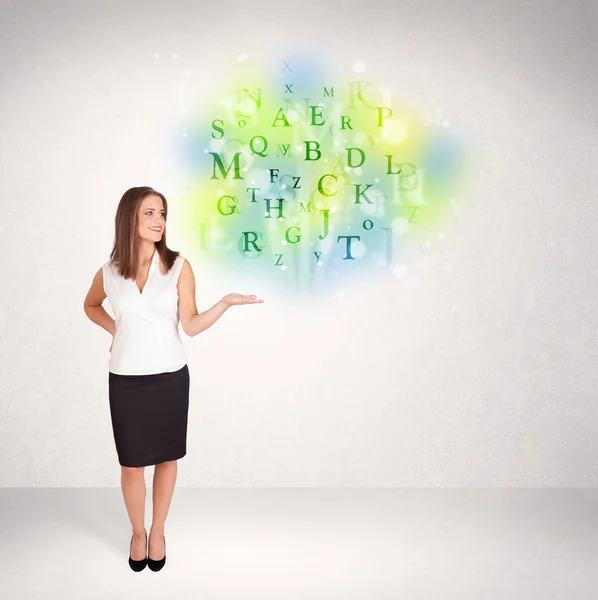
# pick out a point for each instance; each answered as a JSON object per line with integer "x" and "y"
{"x": 150, "y": 289}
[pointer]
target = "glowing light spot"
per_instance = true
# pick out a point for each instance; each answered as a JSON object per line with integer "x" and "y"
{"x": 395, "y": 132}
{"x": 358, "y": 249}
{"x": 156, "y": 55}
{"x": 359, "y": 66}
{"x": 400, "y": 225}
{"x": 187, "y": 72}
{"x": 360, "y": 137}
{"x": 175, "y": 56}
{"x": 242, "y": 57}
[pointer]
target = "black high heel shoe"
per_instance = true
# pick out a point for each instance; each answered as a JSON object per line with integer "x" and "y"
{"x": 138, "y": 565}
{"x": 156, "y": 565}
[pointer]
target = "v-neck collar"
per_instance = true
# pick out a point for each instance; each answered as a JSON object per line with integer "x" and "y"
{"x": 155, "y": 261}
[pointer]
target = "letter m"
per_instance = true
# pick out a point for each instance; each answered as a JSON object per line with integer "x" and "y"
{"x": 223, "y": 171}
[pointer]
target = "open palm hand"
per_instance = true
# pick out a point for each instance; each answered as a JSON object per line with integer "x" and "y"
{"x": 234, "y": 298}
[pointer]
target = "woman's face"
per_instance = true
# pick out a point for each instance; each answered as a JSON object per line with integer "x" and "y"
{"x": 151, "y": 218}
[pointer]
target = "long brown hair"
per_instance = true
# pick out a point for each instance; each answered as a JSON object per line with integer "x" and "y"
{"x": 124, "y": 254}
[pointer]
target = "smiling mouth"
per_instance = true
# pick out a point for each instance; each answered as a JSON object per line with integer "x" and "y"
{"x": 156, "y": 229}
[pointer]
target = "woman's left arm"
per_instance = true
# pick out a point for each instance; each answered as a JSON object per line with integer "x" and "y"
{"x": 193, "y": 322}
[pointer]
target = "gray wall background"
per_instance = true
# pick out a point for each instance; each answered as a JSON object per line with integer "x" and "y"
{"x": 478, "y": 369}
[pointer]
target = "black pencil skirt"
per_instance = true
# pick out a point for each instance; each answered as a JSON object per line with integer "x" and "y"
{"x": 149, "y": 416}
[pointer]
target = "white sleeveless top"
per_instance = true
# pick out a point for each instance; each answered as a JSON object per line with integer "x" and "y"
{"x": 147, "y": 336}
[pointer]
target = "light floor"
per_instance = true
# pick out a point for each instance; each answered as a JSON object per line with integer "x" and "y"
{"x": 306, "y": 543}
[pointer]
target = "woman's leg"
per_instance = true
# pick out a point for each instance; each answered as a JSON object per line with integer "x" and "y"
{"x": 163, "y": 487}
{"x": 132, "y": 482}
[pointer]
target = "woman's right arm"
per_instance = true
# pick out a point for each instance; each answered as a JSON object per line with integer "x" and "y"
{"x": 93, "y": 304}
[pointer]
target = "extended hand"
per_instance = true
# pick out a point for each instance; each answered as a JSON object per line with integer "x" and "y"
{"x": 235, "y": 298}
